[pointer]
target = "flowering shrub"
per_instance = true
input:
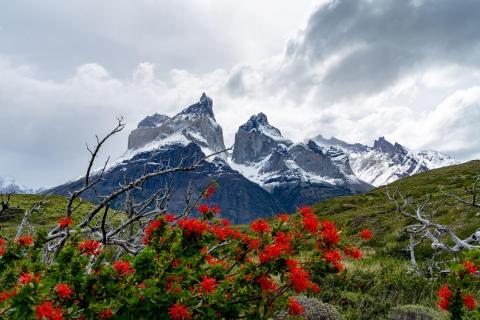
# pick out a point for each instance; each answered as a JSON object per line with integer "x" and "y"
{"x": 190, "y": 268}
{"x": 457, "y": 295}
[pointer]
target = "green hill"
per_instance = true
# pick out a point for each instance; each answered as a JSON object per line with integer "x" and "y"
{"x": 374, "y": 210}
{"x": 48, "y": 215}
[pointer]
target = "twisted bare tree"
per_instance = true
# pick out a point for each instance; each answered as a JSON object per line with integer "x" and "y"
{"x": 123, "y": 230}
{"x": 442, "y": 238}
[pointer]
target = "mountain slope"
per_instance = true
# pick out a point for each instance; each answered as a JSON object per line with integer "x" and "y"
{"x": 373, "y": 209}
{"x": 385, "y": 162}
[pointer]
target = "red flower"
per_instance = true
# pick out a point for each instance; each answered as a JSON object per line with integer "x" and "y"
{"x": 63, "y": 291}
{"x": 105, "y": 314}
{"x": 210, "y": 191}
{"x": 123, "y": 268}
{"x": 6, "y": 295}
{"x": 310, "y": 223}
{"x": 216, "y": 210}
{"x": 300, "y": 279}
{"x": 469, "y": 302}
{"x": 150, "y": 229}
{"x": 46, "y": 311}
{"x": 178, "y": 312}
{"x": 294, "y": 308}
{"x": 366, "y": 234}
{"x": 170, "y": 218}
{"x": 444, "y": 292}
{"x": 2, "y": 247}
{"x": 25, "y": 278}
{"x": 260, "y": 226}
{"x": 203, "y": 209}
{"x": 89, "y": 247}
{"x": 64, "y": 222}
{"x": 334, "y": 257}
{"x": 443, "y": 304}
{"x": 208, "y": 284}
{"x": 193, "y": 225}
{"x": 273, "y": 251}
{"x": 470, "y": 267}
{"x": 266, "y": 284}
{"x": 24, "y": 240}
{"x": 353, "y": 252}
{"x": 283, "y": 217}
{"x": 305, "y": 211}
{"x": 329, "y": 233}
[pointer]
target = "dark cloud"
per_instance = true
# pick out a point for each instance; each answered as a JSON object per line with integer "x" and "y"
{"x": 377, "y": 42}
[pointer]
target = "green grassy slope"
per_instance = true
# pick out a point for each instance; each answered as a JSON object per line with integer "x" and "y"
{"x": 374, "y": 210}
{"x": 47, "y": 217}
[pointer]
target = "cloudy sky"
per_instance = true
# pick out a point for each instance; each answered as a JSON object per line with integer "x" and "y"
{"x": 353, "y": 69}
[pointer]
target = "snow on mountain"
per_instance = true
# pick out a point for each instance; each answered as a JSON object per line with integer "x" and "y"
{"x": 8, "y": 185}
{"x": 263, "y": 155}
{"x": 266, "y": 172}
{"x": 385, "y": 162}
{"x": 197, "y": 123}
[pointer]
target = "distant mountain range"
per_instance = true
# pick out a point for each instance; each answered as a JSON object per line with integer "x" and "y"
{"x": 266, "y": 172}
{"x": 8, "y": 185}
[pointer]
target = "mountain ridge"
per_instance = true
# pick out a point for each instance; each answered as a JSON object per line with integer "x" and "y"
{"x": 265, "y": 171}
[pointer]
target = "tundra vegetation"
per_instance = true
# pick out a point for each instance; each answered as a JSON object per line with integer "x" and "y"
{"x": 415, "y": 259}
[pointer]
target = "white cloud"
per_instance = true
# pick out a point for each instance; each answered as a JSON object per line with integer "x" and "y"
{"x": 339, "y": 90}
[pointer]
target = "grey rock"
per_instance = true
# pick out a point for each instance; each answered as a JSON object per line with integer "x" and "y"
{"x": 256, "y": 139}
{"x": 314, "y": 310}
{"x": 197, "y": 122}
{"x": 153, "y": 121}
{"x": 415, "y": 312}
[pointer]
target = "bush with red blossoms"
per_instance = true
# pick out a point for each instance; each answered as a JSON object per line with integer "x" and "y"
{"x": 458, "y": 295}
{"x": 189, "y": 268}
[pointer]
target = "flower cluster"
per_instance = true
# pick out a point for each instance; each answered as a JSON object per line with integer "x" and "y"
{"x": 64, "y": 222}
{"x": 456, "y": 296}
{"x": 24, "y": 240}
{"x": 189, "y": 267}
{"x": 90, "y": 247}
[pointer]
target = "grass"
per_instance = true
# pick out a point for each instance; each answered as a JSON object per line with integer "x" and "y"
{"x": 383, "y": 281}
{"x": 47, "y": 217}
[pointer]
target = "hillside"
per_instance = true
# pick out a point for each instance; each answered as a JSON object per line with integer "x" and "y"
{"x": 374, "y": 210}
{"x": 48, "y": 216}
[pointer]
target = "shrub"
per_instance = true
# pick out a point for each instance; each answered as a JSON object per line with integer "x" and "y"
{"x": 415, "y": 312}
{"x": 190, "y": 268}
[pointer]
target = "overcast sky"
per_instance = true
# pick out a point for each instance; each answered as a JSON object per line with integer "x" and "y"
{"x": 353, "y": 69}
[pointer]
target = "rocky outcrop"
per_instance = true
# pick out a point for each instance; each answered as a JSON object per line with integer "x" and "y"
{"x": 197, "y": 122}
{"x": 256, "y": 139}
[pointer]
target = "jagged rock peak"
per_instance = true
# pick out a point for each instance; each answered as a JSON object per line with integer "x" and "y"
{"x": 260, "y": 124}
{"x": 384, "y": 145}
{"x": 153, "y": 121}
{"x": 255, "y": 122}
{"x": 203, "y": 106}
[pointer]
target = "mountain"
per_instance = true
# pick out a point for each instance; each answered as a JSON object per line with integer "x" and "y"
{"x": 184, "y": 138}
{"x": 295, "y": 173}
{"x": 8, "y": 185}
{"x": 385, "y": 162}
{"x": 264, "y": 174}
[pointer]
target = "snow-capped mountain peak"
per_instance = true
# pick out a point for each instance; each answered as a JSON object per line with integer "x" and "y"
{"x": 386, "y": 162}
{"x": 203, "y": 106}
{"x": 196, "y": 122}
